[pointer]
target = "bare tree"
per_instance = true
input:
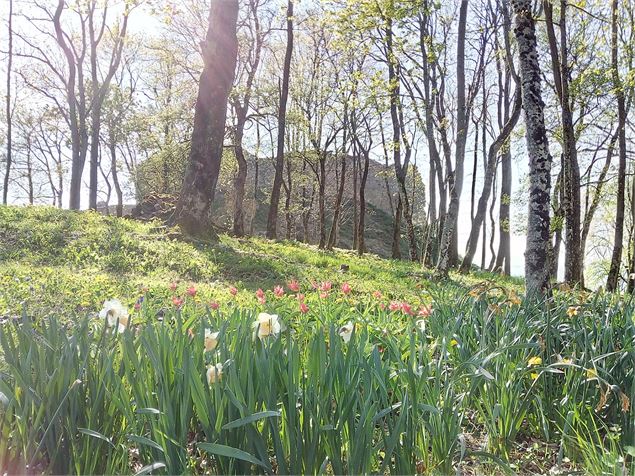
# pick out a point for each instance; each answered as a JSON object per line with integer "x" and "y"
{"x": 272, "y": 219}
{"x": 7, "y": 172}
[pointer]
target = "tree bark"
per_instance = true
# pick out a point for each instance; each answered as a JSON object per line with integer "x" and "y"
{"x": 338, "y": 206}
{"x": 7, "y": 171}
{"x": 449, "y": 235}
{"x": 219, "y": 56}
{"x": 492, "y": 157}
{"x": 538, "y": 222}
{"x": 616, "y": 257}
{"x": 272, "y": 219}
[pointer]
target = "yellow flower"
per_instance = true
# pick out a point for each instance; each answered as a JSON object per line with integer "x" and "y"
{"x": 266, "y": 325}
{"x": 214, "y": 373}
{"x": 534, "y": 375}
{"x": 591, "y": 374}
{"x": 533, "y": 361}
{"x": 566, "y": 361}
{"x": 454, "y": 343}
{"x": 346, "y": 331}
{"x": 211, "y": 340}
{"x": 573, "y": 311}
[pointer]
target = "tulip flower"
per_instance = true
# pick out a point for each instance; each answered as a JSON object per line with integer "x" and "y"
{"x": 293, "y": 286}
{"x": 377, "y": 294}
{"x": 214, "y": 305}
{"x": 346, "y": 288}
{"x": 173, "y": 286}
{"x": 278, "y": 291}
{"x": 233, "y": 291}
{"x": 304, "y": 308}
{"x": 177, "y": 301}
{"x": 191, "y": 291}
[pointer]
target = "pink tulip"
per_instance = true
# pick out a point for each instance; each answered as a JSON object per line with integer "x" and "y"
{"x": 304, "y": 308}
{"x": 173, "y": 286}
{"x": 346, "y": 288}
{"x": 278, "y": 291}
{"x": 262, "y": 299}
{"x": 394, "y": 306}
{"x": 233, "y": 291}
{"x": 406, "y": 309}
{"x": 325, "y": 286}
{"x": 425, "y": 311}
{"x": 191, "y": 291}
{"x": 177, "y": 301}
{"x": 377, "y": 294}
{"x": 293, "y": 285}
{"x": 214, "y": 305}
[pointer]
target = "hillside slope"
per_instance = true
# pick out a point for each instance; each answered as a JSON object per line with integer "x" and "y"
{"x": 53, "y": 260}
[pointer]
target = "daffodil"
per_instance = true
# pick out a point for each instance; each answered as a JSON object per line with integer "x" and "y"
{"x": 591, "y": 374}
{"x": 214, "y": 373}
{"x": 266, "y": 325}
{"x": 533, "y": 361}
{"x": 454, "y": 343}
{"x": 115, "y": 313}
{"x": 211, "y": 340}
{"x": 346, "y": 331}
{"x": 573, "y": 311}
{"x": 534, "y": 375}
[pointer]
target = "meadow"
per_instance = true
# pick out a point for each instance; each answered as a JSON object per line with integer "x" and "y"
{"x": 125, "y": 349}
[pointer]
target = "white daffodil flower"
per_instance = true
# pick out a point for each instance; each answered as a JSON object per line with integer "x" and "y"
{"x": 214, "y": 373}
{"x": 211, "y": 340}
{"x": 114, "y": 312}
{"x": 266, "y": 325}
{"x": 346, "y": 331}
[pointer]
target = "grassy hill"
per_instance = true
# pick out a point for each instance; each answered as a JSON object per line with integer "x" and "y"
{"x": 52, "y": 259}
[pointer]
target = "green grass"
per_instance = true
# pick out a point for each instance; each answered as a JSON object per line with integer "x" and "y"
{"x": 52, "y": 260}
{"x": 486, "y": 384}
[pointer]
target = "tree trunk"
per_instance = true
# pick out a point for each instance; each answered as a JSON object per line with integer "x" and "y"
{"x": 272, "y": 219}
{"x": 361, "y": 227}
{"x": 322, "y": 200}
{"x": 449, "y": 234}
{"x": 538, "y": 222}
{"x": 396, "y": 230}
{"x": 492, "y": 157}
{"x": 7, "y": 171}
{"x": 338, "y": 206}
{"x": 115, "y": 176}
{"x": 240, "y": 179}
{"x": 503, "y": 256}
{"x": 616, "y": 257}
{"x": 219, "y": 56}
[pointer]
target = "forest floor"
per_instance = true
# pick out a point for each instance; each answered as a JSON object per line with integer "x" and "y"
{"x": 324, "y": 362}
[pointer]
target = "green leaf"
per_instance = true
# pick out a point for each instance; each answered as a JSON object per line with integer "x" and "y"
{"x": 142, "y": 440}
{"x": 149, "y": 411}
{"x": 95, "y": 434}
{"x": 222, "y": 450}
{"x": 149, "y": 468}
{"x": 250, "y": 419}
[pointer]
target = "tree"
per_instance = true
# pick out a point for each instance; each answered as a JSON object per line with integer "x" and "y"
{"x": 7, "y": 172}
{"x": 272, "y": 219}
{"x": 618, "y": 240}
{"x": 538, "y": 220}
{"x": 241, "y": 100}
{"x": 220, "y": 50}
